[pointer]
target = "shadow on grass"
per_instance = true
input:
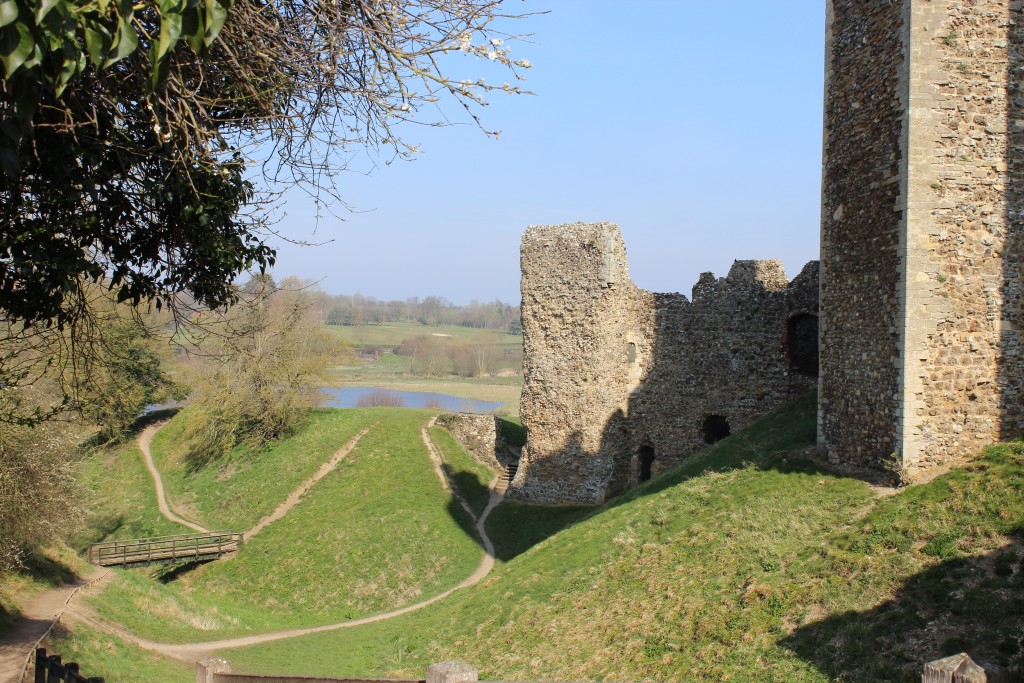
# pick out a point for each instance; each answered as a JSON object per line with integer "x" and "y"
{"x": 771, "y": 442}
{"x": 42, "y": 568}
{"x": 515, "y": 527}
{"x": 973, "y": 605}
{"x": 470, "y": 488}
{"x": 512, "y": 431}
{"x": 172, "y": 572}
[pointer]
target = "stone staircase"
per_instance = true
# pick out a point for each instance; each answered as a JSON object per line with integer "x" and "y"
{"x": 507, "y": 476}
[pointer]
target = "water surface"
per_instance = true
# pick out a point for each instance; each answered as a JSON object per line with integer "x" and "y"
{"x": 348, "y": 397}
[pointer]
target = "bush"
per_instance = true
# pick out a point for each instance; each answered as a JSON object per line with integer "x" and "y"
{"x": 380, "y": 397}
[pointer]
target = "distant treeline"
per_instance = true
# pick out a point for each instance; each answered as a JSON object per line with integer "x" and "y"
{"x": 356, "y": 309}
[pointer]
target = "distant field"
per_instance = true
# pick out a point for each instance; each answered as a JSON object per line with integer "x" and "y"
{"x": 392, "y": 371}
{"x": 394, "y": 334}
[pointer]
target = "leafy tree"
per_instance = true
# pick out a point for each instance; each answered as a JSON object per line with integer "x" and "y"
{"x": 263, "y": 366}
{"x": 125, "y": 377}
{"x": 36, "y": 484}
{"x": 125, "y": 129}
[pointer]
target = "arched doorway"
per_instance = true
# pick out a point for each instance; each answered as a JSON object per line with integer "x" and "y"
{"x": 716, "y": 428}
{"x": 802, "y": 344}
{"x": 645, "y": 459}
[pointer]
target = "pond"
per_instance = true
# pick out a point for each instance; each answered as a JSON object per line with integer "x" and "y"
{"x": 353, "y": 397}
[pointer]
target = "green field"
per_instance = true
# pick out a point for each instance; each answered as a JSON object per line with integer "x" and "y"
{"x": 749, "y": 562}
{"x": 392, "y": 371}
{"x": 377, "y": 533}
{"x": 393, "y": 334}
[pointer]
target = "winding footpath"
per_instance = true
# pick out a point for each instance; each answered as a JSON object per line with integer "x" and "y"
{"x": 145, "y": 441}
{"x": 194, "y": 652}
{"x": 39, "y": 614}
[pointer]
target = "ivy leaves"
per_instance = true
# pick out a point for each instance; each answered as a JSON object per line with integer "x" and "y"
{"x": 47, "y": 44}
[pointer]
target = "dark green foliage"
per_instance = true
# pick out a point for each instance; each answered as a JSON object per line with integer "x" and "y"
{"x": 100, "y": 180}
{"x": 125, "y": 377}
{"x": 513, "y": 431}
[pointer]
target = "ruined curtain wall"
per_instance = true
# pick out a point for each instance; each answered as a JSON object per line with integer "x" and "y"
{"x": 619, "y": 383}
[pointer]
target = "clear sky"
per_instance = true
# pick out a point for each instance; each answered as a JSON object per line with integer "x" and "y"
{"x": 694, "y": 125}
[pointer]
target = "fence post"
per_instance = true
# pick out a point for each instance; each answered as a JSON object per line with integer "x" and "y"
{"x": 451, "y": 671}
{"x": 962, "y": 669}
{"x": 54, "y": 671}
{"x": 207, "y": 670}
{"x": 41, "y": 662}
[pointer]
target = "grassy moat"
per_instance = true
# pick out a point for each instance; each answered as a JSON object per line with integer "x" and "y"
{"x": 749, "y": 562}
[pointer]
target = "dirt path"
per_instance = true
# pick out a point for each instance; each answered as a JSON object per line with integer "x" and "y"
{"x": 293, "y": 499}
{"x": 193, "y": 652}
{"x": 38, "y": 616}
{"x": 145, "y": 439}
{"x": 295, "y": 496}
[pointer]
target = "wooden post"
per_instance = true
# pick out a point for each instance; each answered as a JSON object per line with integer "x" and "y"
{"x": 452, "y": 671}
{"x": 41, "y": 662}
{"x": 54, "y": 671}
{"x": 962, "y": 669}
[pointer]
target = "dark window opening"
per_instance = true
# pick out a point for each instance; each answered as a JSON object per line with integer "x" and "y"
{"x": 802, "y": 344}
{"x": 716, "y": 428}
{"x": 646, "y": 459}
{"x": 631, "y": 353}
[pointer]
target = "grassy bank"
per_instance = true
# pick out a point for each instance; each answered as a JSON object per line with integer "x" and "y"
{"x": 377, "y": 533}
{"x": 748, "y": 563}
{"x": 237, "y": 491}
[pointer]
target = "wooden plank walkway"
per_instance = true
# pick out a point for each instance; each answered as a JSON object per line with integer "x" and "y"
{"x": 140, "y": 551}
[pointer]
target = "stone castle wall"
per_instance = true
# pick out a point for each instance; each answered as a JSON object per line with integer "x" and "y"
{"x": 620, "y": 383}
{"x": 920, "y": 230}
{"x": 920, "y": 281}
{"x": 480, "y": 435}
{"x": 860, "y": 229}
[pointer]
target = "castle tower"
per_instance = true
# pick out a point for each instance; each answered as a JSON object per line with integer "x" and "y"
{"x": 582, "y": 318}
{"x": 921, "y": 230}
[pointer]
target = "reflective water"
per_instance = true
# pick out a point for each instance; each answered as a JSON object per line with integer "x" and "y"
{"x": 349, "y": 397}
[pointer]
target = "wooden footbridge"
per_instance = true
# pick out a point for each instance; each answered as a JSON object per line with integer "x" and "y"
{"x": 180, "y": 548}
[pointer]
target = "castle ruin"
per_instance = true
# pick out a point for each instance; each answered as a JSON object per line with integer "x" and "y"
{"x": 619, "y": 383}
{"x": 920, "y": 284}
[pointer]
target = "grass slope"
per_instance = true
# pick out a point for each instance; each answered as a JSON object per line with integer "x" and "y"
{"x": 468, "y": 475}
{"x": 48, "y": 568}
{"x": 375, "y": 534}
{"x": 236, "y": 492}
{"x": 100, "y": 655}
{"x": 122, "y": 500}
{"x": 747, "y": 563}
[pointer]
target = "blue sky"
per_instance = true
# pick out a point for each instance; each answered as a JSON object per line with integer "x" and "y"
{"x": 695, "y": 126}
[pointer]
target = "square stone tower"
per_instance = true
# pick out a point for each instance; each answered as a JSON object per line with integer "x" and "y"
{"x": 921, "y": 241}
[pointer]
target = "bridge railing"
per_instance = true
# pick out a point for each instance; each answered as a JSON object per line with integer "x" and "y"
{"x": 164, "y": 548}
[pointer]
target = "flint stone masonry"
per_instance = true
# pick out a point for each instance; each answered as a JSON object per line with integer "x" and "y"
{"x": 620, "y": 383}
{"x": 480, "y": 435}
{"x": 921, "y": 357}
